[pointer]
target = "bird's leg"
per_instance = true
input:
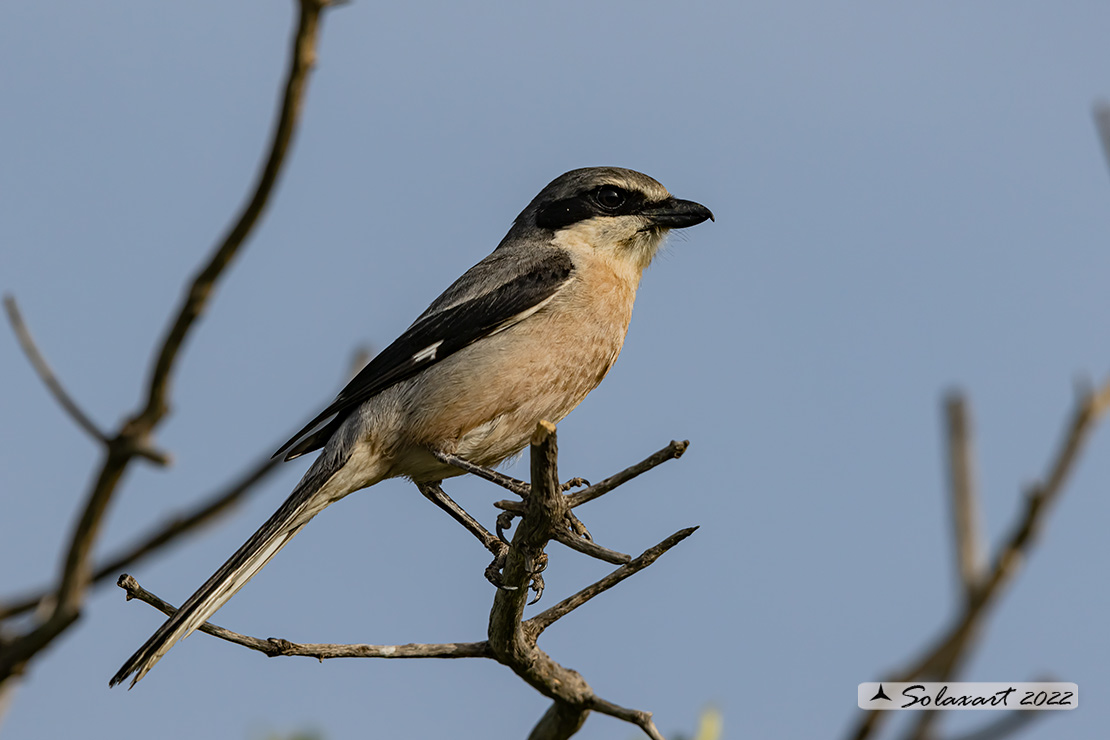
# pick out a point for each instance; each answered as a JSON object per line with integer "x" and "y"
{"x": 519, "y": 487}
{"x": 435, "y": 493}
{"x": 498, "y": 544}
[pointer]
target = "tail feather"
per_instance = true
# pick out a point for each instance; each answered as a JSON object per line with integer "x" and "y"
{"x": 297, "y": 510}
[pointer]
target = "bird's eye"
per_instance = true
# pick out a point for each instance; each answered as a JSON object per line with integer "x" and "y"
{"x": 609, "y": 198}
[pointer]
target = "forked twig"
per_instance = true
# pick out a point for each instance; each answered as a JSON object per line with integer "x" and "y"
{"x": 133, "y": 437}
{"x": 162, "y": 534}
{"x": 545, "y": 619}
{"x": 964, "y": 494}
{"x": 673, "y": 451}
{"x": 274, "y": 646}
{"x": 46, "y": 374}
{"x": 940, "y": 660}
{"x": 511, "y": 640}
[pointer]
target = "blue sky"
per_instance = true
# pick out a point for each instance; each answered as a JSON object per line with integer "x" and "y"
{"x": 908, "y": 197}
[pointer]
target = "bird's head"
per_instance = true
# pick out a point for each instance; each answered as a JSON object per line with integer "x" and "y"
{"x": 623, "y": 212}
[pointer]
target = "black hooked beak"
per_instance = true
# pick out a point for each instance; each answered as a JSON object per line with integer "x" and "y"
{"x": 673, "y": 213}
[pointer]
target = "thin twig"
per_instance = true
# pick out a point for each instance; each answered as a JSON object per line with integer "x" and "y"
{"x": 169, "y": 530}
{"x": 511, "y": 642}
{"x": 75, "y": 576}
{"x": 635, "y": 716}
{"x": 1101, "y": 115}
{"x": 132, "y": 439}
{"x": 943, "y": 657}
{"x": 589, "y": 547}
{"x": 46, "y": 374}
{"x": 302, "y": 60}
{"x": 275, "y": 646}
{"x": 673, "y": 451}
{"x": 177, "y": 525}
{"x": 545, "y": 619}
{"x": 963, "y": 493}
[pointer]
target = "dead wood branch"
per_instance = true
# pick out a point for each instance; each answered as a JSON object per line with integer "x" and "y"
{"x": 964, "y": 494}
{"x": 1102, "y": 126}
{"x": 133, "y": 438}
{"x": 171, "y": 529}
{"x": 943, "y": 658}
{"x": 510, "y": 641}
{"x": 673, "y": 451}
{"x": 276, "y": 646}
{"x": 175, "y": 526}
{"x": 46, "y": 374}
{"x": 545, "y": 619}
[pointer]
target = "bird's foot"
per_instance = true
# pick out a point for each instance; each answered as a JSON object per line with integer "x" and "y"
{"x": 495, "y": 571}
{"x": 575, "y": 525}
{"x": 574, "y": 483}
{"x": 534, "y": 566}
{"x": 536, "y": 569}
{"x": 504, "y": 521}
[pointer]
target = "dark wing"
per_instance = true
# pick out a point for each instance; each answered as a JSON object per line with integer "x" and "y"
{"x": 438, "y": 334}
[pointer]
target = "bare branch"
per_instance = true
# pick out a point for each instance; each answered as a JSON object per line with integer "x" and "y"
{"x": 511, "y": 642}
{"x": 970, "y": 559}
{"x": 559, "y": 722}
{"x": 132, "y": 439}
{"x": 75, "y": 576}
{"x": 635, "y": 716}
{"x": 46, "y": 375}
{"x": 302, "y": 60}
{"x": 673, "y": 451}
{"x": 276, "y": 646}
{"x": 591, "y": 548}
{"x": 545, "y": 619}
{"x": 1101, "y": 115}
{"x": 942, "y": 659}
{"x": 172, "y": 528}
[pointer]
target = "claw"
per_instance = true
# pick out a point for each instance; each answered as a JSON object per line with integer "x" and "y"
{"x": 493, "y": 570}
{"x": 575, "y": 525}
{"x": 537, "y": 586}
{"x": 504, "y": 521}
{"x": 535, "y": 568}
{"x": 539, "y": 565}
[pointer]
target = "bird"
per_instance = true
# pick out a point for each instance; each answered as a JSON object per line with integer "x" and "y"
{"x": 522, "y": 336}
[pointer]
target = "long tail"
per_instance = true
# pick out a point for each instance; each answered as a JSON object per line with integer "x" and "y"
{"x": 304, "y": 503}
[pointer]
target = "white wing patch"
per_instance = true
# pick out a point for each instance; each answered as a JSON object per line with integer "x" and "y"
{"x": 428, "y": 353}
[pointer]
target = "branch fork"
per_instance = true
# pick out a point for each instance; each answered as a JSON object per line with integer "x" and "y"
{"x": 511, "y": 640}
{"x": 983, "y": 582}
{"x": 64, "y": 599}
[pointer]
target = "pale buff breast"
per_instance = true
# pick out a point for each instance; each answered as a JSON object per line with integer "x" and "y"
{"x": 538, "y": 369}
